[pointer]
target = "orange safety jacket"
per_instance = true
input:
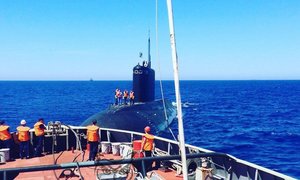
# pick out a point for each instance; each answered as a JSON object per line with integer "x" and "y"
{"x": 92, "y": 133}
{"x": 131, "y": 95}
{"x": 23, "y": 133}
{"x": 119, "y": 94}
{"x": 148, "y": 140}
{"x": 125, "y": 94}
{"x": 4, "y": 133}
{"x": 38, "y": 131}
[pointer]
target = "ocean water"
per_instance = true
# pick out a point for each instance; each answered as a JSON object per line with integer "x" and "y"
{"x": 258, "y": 121}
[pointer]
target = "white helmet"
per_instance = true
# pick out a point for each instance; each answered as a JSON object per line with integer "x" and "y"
{"x": 23, "y": 122}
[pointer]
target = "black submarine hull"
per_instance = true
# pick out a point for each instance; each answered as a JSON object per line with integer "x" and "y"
{"x": 135, "y": 117}
{"x": 145, "y": 112}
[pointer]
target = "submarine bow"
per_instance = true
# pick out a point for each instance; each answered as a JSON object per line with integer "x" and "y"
{"x": 135, "y": 117}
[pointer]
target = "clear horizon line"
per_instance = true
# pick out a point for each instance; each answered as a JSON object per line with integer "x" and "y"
{"x": 157, "y": 80}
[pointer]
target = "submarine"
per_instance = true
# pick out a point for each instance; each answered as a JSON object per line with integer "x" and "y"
{"x": 146, "y": 111}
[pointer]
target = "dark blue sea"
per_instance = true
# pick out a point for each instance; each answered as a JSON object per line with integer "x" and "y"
{"x": 258, "y": 121}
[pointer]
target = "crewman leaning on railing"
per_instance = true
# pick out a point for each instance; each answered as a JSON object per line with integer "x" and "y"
{"x": 93, "y": 139}
{"x": 23, "y": 137}
{"x": 39, "y": 131}
{"x": 6, "y": 140}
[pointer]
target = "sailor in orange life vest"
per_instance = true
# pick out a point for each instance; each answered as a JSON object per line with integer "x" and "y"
{"x": 125, "y": 96}
{"x": 93, "y": 139}
{"x": 131, "y": 98}
{"x": 6, "y": 140}
{"x": 39, "y": 131}
{"x": 119, "y": 97}
{"x": 116, "y": 96}
{"x": 148, "y": 145}
{"x": 23, "y": 137}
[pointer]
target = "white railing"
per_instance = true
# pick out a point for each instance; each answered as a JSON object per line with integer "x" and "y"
{"x": 171, "y": 143}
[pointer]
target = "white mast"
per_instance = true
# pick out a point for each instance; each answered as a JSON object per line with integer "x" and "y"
{"x": 178, "y": 98}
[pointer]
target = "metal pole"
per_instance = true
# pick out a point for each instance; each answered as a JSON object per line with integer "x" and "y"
{"x": 107, "y": 162}
{"x": 4, "y": 175}
{"x": 177, "y": 90}
{"x": 143, "y": 169}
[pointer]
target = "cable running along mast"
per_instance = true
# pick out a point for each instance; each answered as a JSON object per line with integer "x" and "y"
{"x": 176, "y": 81}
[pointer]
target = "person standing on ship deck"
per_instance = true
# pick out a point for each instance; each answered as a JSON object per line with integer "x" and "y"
{"x": 39, "y": 131}
{"x": 93, "y": 139}
{"x": 23, "y": 137}
{"x": 147, "y": 146}
{"x": 6, "y": 140}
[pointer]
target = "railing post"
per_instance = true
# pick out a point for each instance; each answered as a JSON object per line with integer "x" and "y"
{"x": 100, "y": 133}
{"x": 143, "y": 169}
{"x": 256, "y": 174}
{"x": 4, "y": 175}
{"x": 108, "y": 136}
{"x": 77, "y": 143}
{"x": 67, "y": 139}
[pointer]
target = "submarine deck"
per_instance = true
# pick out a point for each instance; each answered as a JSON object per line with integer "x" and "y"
{"x": 68, "y": 156}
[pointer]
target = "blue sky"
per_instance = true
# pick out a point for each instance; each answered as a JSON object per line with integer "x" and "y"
{"x": 101, "y": 39}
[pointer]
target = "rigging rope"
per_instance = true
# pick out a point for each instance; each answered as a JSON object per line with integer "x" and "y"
{"x": 159, "y": 70}
{"x": 78, "y": 142}
{"x": 78, "y": 167}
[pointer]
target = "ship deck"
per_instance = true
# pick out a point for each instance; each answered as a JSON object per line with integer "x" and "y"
{"x": 86, "y": 172}
{"x": 202, "y": 163}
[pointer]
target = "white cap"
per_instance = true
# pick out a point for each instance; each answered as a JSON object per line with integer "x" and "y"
{"x": 23, "y": 122}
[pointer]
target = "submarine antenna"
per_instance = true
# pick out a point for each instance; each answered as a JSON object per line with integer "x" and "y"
{"x": 149, "y": 56}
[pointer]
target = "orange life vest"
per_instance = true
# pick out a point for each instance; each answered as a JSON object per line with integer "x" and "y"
{"x": 148, "y": 140}
{"x": 23, "y": 133}
{"x": 4, "y": 133}
{"x": 92, "y": 133}
{"x": 125, "y": 94}
{"x": 131, "y": 95}
{"x": 37, "y": 130}
{"x": 119, "y": 94}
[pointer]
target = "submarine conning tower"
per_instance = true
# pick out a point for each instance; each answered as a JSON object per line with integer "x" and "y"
{"x": 144, "y": 80}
